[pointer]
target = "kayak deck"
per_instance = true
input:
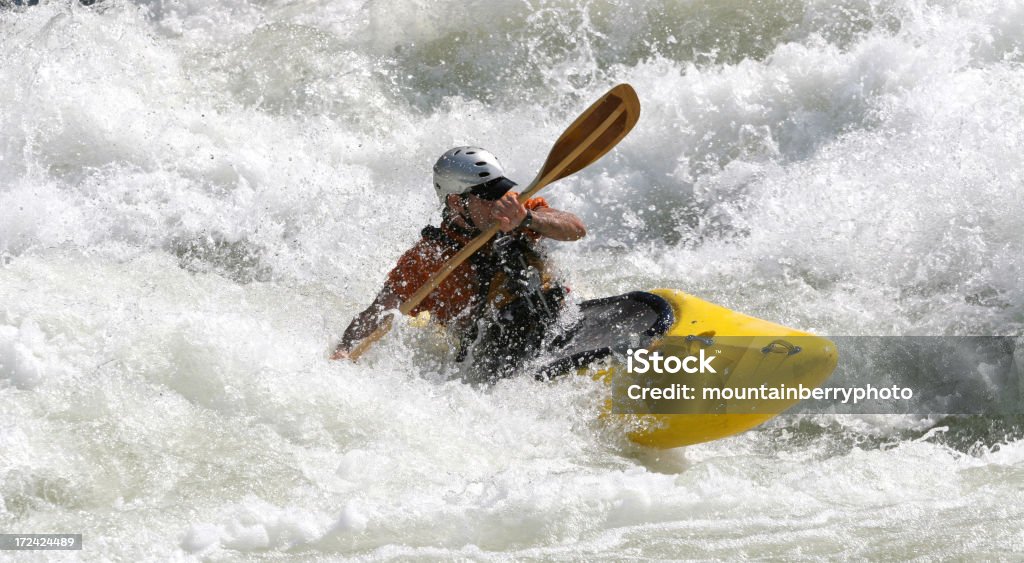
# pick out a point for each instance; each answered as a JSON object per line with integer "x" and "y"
{"x": 609, "y": 326}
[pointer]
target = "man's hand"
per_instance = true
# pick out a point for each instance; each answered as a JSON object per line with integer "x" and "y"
{"x": 508, "y": 212}
{"x": 340, "y": 354}
{"x": 372, "y": 323}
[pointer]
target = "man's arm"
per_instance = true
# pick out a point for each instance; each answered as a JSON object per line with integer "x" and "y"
{"x": 557, "y": 225}
{"x": 552, "y": 223}
{"x": 376, "y": 317}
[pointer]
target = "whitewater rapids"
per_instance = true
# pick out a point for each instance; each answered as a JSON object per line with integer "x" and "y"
{"x": 196, "y": 197}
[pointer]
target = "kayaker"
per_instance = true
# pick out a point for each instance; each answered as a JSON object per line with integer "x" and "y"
{"x": 499, "y": 301}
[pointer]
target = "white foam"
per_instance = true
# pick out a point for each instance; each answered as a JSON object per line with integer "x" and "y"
{"x": 20, "y": 363}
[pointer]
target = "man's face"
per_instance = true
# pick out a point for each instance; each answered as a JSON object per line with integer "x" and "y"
{"x": 480, "y": 211}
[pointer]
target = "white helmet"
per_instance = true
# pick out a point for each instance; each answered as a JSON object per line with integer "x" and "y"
{"x": 462, "y": 169}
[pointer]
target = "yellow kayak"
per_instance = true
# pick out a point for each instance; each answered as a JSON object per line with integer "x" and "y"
{"x": 729, "y": 372}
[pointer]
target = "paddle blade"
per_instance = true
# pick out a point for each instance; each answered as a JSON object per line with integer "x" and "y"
{"x": 595, "y": 132}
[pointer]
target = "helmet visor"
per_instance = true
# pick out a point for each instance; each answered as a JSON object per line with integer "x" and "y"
{"x": 492, "y": 189}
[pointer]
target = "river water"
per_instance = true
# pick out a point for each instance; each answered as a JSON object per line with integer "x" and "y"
{"x": 196, "y": 197}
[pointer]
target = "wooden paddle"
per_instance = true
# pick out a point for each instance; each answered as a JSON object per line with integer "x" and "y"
{"x": 595, "y": 132}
